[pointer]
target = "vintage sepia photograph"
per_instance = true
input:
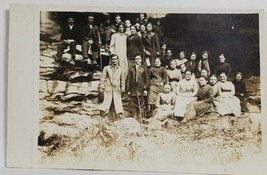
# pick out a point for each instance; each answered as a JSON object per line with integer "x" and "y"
{"x": 147, "y": 91}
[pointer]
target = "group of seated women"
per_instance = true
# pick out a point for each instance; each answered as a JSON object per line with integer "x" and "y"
{"x": 184, "y": 94}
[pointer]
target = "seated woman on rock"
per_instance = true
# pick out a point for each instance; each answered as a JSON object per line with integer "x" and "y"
{"x": 174, "y": 75}
{"x": 226, "y": 103}
{"x": 164, "y": 104}
{"x": 186, "y": 92}
{"x": 240, "y": 90}
{"x": 203, "y": 104}
{"x": 240, "y": 86}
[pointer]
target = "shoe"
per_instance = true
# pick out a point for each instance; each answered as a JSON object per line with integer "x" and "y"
{"x": 118, "y": 116}
{"x": 103, "y": 114}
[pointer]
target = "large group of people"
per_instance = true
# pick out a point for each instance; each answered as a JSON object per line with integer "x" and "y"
{"x": 145, "y": 69}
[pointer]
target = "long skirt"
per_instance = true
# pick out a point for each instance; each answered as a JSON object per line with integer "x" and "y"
{"x": 161, "y": 115}
{"x": 159, "y": 118}
{"x": 153, "y": 94}
{"x": 181, "y": 104}
{"x": 226, "y": 106}
{"x": 197, "y": 109}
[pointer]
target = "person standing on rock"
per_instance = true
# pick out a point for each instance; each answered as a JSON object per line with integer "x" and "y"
{"x": 136, "y": 87}
{"x": 70, "y": 35}
{"x": 91, "y": 39}
{"x": 112, "y": 86}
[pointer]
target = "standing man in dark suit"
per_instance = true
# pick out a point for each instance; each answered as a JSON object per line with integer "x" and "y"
{"x": 69, "y": 37}
{"x": 137, "y": 84}
{"x": 91, "y": 38}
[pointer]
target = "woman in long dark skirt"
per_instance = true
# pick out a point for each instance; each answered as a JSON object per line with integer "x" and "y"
{"x": 203, "y": 104}
{"x": 158, "y": 77}
{"x": 134, "y": 46}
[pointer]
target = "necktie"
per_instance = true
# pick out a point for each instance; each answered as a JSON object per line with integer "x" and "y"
{"x": 136, "y": 73}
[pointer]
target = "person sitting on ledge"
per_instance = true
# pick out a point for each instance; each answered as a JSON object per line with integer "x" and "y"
{"x": 186, "y": 92}
{"x": 70, "y": 35}
{"x": 164, "y": 105}
{"x": 91, "y": 39}
{"x": 203, "y": 105}
{"x": 226, "y": 103}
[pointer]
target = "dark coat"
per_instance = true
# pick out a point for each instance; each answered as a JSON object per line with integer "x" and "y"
{"x": 158, "y": 30}
{"x": 137, "y": 88}
{"x": 67, "y": 33}
{"x": 151, "y": 44}
{"x": 165, "y": 61}
{"x": 191, "y": 66}
{"x": 240, "y": 88}
{"x": 223, "y": 67}
{"x": 134, "y": 46}
{"x": 205, "y": 94}
{"x": 93, "y": 33}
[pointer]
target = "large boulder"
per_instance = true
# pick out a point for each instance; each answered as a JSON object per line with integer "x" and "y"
{"x": 50, "y": 129}
{"x": 253, "y": 86}
{"x": 252, "y": 104}
{"x": 127, "y": 126}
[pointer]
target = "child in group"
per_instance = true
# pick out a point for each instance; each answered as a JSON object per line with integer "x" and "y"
{"x": 240, "y": 86}
{"x": 174, "y": 75}
{"x": 181, "y": 59}
{"x": 167, "y": 58}
{"x": 164, "y": 107}
{"x": 240, "y": 90}
{"x": 192, "y": 63}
